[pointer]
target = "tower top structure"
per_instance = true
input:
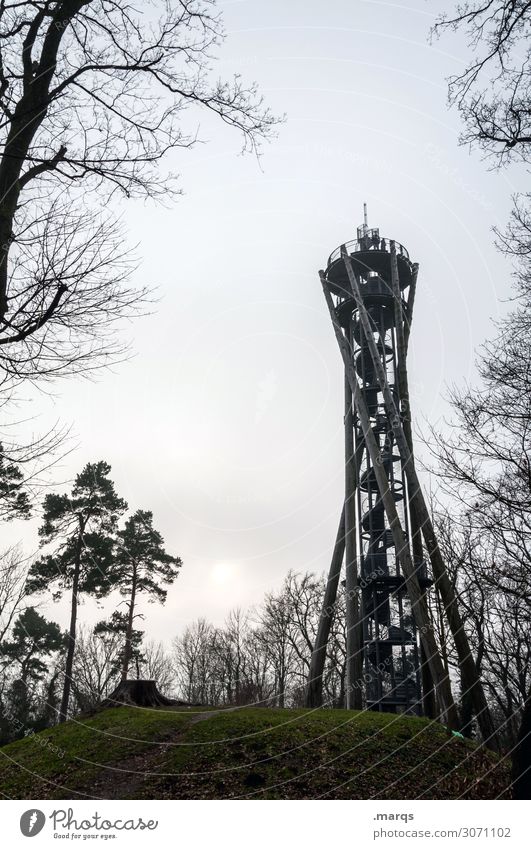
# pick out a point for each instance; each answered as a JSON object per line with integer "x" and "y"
{"x": 370, "y": 255}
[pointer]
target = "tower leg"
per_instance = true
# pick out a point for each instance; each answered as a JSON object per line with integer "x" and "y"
{"x": 429, "y": 702}
{"x": 314, "y": 687}
{"x": 403, "y": 329}
{"x": 353, "y": 605}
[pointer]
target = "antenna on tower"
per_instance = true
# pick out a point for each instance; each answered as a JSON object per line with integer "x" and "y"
{"x": 363, "y": 229}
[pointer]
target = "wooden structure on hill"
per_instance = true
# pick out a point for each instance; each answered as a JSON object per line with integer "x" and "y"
{"x": 386, "y": 537}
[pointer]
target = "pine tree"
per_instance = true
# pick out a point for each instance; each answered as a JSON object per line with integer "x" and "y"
{"x": 33, "y": 640}
{"x": 14, "y": 499}
{"x": 82, "y": 526}
{"x": 141, "y": 566}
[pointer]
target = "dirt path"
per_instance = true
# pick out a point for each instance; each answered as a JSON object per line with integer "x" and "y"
{"x": 126, "y": 777}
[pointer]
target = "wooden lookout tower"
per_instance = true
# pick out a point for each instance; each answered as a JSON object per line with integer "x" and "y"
{"x": 386, "y": 535}
{"x": 370, "y": 285}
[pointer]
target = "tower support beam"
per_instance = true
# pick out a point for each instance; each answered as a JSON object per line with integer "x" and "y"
{"x": 354, "y": 661}
{"x": 314, "y": 688}
{"x": 403, "y": 328}
{"x": 410, "y": 302}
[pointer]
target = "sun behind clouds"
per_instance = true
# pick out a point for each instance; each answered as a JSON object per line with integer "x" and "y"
{"x": 223, "y": 573}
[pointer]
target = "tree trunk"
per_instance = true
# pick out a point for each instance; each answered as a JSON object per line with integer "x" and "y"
{"x": 521, "y": 772}
{"x": 467, "y": 710}
{"x": 282, "y": 686}
{"x": 138, "y": 692}
{"x": 29, "y": 113}
{"x": 63, "y": 712}
{"x": 129, "y": 628}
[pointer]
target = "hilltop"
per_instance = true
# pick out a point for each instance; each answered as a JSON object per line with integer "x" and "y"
{"x": 140, "y": 753}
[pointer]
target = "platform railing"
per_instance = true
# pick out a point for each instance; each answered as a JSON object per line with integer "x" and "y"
{"x": 368, "y": 243}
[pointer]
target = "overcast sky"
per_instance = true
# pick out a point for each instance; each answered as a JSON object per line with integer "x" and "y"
{"x": 228, "y": 421}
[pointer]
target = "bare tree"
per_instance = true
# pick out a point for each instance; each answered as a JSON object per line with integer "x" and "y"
{"x": 290, "y": 619}
{"x": 485, "y": 459}
{"x": 193, "y": 659}
{"x": 276, "y": 625}
{"x": 261, "y": 657}
{"x": 303, "y": 595}
{"x": 335, "y": 670}
{"x": 156, "y": 665}
{"x": 230, "y": 651}
{"x": 258, "y": 685}
{"x": 96, "y": 669}
{"x": 493, "y": 92}
{"x": 507, "y": 661}
{"x": 93, "y": 94}
{"x": 68, "y": 293}
{"x": 13, "y": 574}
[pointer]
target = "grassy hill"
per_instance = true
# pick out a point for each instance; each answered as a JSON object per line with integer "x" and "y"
{"x": 136, "y": 753}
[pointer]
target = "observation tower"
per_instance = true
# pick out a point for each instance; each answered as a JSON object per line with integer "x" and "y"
{"x": 374, "y": 275}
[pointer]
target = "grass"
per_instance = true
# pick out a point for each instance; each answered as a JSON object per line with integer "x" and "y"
{"x": 74, "y": 754}
{"x": 249, "y": 753}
